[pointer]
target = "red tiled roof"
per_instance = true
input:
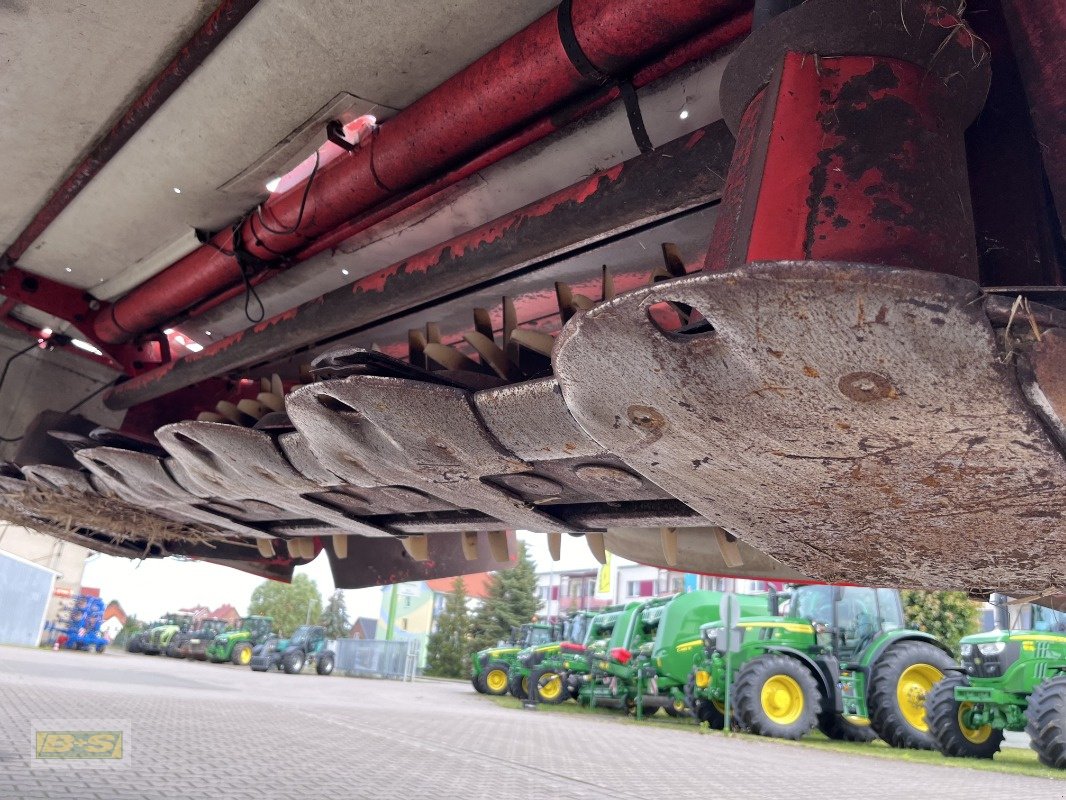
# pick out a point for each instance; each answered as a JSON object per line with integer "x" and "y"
{"x": 477, "y": 585}
{"x": 114, "y": 611}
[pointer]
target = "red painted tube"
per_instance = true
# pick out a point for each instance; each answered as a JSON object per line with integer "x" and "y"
{"x": 217, "y": 26}
{"x": 518, "y": 82}
{"x": 701, "y": 46}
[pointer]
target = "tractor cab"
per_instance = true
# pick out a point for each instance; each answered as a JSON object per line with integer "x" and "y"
{"x": 531, "y": 634}
{"x": 259, "y": 628}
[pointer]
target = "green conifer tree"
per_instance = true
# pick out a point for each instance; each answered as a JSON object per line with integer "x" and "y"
{"x": 448, "y": 644}
{"x": 512, "y": 601}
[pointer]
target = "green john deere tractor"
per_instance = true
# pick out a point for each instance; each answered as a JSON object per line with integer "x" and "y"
{"x": 159, "y": 636}
{"x": 238, "y": 646}
{"x": 192, "y": 643}
{"x": 654, "y": 674}
{"x": 839, "y": 659}
{"x": 307, "y": 645}
{"x": 547, "y": 659}
{"x": 489, "y": 668}
{"x": 1011, "y": 679}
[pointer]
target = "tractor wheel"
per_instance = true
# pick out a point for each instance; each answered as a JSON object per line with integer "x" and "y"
{"x": 899, "y": 682}
{"x": 518, "y": 685}
{"x": 710, "y": 711}
{"x": 174, "y": 650}
{"x": 293, "y": 661}
{"x": 944, "y": 715}
{"x": 551, "y": 688}
{"x": 677, "y": 708}
{"x": 324, "y": 664}
{"x": 495, "y": 678}
{"x": 834, "y": 726}
{"x": 242, "y": 654}
{"x": 135, "y": 645}
{"x": 1047, "y": 722}
{"x": 646, "y": 710}
{"x": 475, "y": 681}
{"x": 776, "y": 695}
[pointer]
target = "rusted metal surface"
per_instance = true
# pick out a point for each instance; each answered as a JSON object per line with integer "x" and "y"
{"x": 1038, "y": 30}
{"x": 1043, "y": 379}
{"x": 852, "y": 145}
{"x": 142, "y": 479}
{"x": 697, "y": 551}
{"x": 383, "y": 561}
{"x": 386, "y": 431}
{"x": 853, "y": 421}
{"x": 679, "y": 176}
{"x": 238, "y": 464}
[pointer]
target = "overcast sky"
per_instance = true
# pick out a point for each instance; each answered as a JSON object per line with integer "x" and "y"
{"x": 152, "y": 587}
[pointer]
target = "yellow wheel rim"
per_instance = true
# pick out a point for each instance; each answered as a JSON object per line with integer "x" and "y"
{"x": 782, "y": 699}
{"x": 496, "y": 680}
{"x": 246, "y": 657}
{"x": 703, "y": 679}
{"x": 680, "y": 707}
{"x": 973, "y": 735}
{"x": 914, "y": 684}
{"x": 550, "y": 687}
{"x": 719, "y": 705}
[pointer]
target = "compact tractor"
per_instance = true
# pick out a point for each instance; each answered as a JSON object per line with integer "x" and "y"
{"x": 237, "y": 646}
{"x": 307, "y": 645}
{"x": 580, "y": 630}
{"x": 159, "y": 636}
{"x": 840, "y": 659}
{"x": 193, "y": 642}
{"x": 490, "y": 668}
{"x": 653, "y": 674}
{"x": 1011, "y": 679}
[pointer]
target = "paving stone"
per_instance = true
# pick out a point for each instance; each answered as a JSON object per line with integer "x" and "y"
{"x": 229, "y": 732}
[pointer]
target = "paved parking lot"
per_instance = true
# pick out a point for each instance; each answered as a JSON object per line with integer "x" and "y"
{"x": 201, "y": 730}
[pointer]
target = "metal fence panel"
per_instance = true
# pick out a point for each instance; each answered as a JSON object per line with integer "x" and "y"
{"x": 378, "y": 659}
{"x": 25, "y": 590}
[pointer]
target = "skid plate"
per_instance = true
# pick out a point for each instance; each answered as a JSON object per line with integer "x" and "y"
{"x": 857, "y": 423}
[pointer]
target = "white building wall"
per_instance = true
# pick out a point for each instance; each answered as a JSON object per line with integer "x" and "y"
{"x": 63, "y": 557}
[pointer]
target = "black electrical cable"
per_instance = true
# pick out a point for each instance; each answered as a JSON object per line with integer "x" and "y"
{"x": 3, "y": 377}
{"x": 89, "y": 397}
{"x": 303, "y": 204}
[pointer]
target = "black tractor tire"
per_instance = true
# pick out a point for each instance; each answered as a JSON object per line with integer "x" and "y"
{"x": 1046, "y": 726}
{"x": 703, "y": 710}
{"x": 791, "y": 683}
{"x": 551, "y": 688}
{"x": 174, "y": 648}
{"x": 475, "y": 681}
{"x": 648, "y": 710}
{"x": 293, "y": 661}
{"x": 942, "y": 715}
{"x": 677, "y": 708}
{"x": 835, "y": 727}
{"x": 518, "y": 685}
{"x": 242, "y": 654}
{"x": 899, "y": 726}
{"x": 135, "y": 645}
{"x": 324, "y": 663}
